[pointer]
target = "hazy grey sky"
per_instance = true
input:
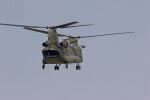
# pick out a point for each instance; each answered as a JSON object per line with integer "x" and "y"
{"x": 114, "y": 67}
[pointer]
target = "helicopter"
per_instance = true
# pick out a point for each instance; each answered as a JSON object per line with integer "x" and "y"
{"x": 68, "y": 51}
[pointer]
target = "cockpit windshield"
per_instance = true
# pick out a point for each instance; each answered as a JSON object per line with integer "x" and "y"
{"x": 50, "y": 53}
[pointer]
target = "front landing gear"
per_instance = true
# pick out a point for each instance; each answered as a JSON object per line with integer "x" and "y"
{"x": 56, "y": 67}
{"x": 78, "y": 67}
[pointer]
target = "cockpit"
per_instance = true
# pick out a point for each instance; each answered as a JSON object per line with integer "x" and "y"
{"x": 50, "y": 53}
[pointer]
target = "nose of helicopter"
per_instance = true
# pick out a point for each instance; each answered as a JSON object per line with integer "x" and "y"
{"x": 52, "y": 57}
{"x": 50, "y": 53}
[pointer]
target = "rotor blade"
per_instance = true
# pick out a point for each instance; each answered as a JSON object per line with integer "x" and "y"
{"x": 103, "y": 35}
{"x": 42, "y": 31}
{"x": 36, "y": 30}
{"x": 65, "y": 25}
{"x": 62, "y": 35}
{"x": 79, "y": 25}
{"x": 16, "y": 25}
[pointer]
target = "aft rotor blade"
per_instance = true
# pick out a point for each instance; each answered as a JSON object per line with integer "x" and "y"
{"x": 103, "y": 35}
{"x": 62, "y": 35}
{"x": 16, "y": 25}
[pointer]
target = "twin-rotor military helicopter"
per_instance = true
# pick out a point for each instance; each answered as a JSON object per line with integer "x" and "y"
{"x": 67, "y": 51}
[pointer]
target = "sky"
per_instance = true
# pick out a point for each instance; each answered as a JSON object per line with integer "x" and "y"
{"x": 114, "y": 67}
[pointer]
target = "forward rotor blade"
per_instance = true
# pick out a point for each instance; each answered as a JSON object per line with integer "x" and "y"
{"x": 16, "y": 25}
{"x": 42, "y": 31}
{"x": 36, "y": 30}
{"x": 103, "y": 35}
{"x": 30, "y": 26}
{"x": 65, "y": 25}
{"x": 79, "y": 25}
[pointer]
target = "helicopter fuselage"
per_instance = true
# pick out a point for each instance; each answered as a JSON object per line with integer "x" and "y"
{"x": 64, "y": 52}
{"x": 62, "y": 55}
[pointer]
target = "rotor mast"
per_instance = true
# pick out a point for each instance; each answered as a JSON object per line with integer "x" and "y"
{"x": 52, "y": 38}
{"x": 73, "y": 41}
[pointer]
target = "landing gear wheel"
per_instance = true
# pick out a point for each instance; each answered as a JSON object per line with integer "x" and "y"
{"x": 78, "y": 67}
{"x": 66, "y": 66}
{"x": 56, "y": 67}
{"x": 43, "y": 66}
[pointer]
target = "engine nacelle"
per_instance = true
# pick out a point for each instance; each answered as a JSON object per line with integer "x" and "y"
{"x": 45, "y": 44}
{"x": 64, "y": 44}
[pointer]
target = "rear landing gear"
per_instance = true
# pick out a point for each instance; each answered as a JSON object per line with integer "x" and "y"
{"x": 43, "y": 66}
{"x": 66, "y": 66}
